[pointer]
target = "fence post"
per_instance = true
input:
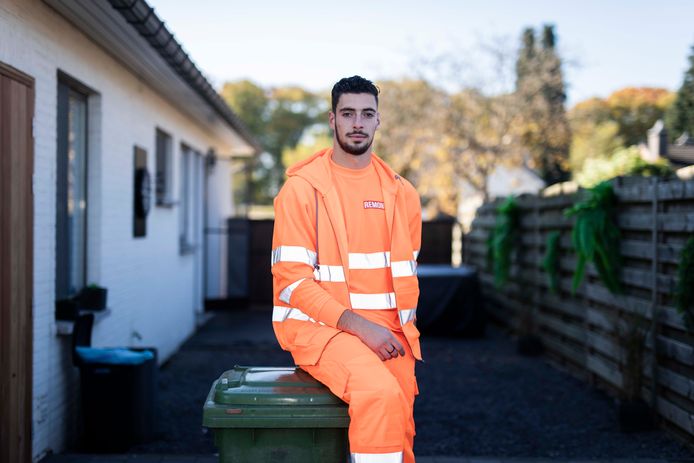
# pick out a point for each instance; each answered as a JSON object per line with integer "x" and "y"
{"x": 536, "y": 271}
{"x": 654, "y": 296}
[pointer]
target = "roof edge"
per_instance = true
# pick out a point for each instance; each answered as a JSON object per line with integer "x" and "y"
{"x": 144, "y": 19}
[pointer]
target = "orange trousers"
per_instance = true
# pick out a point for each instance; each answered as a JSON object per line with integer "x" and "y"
{"x": 380, "y": 397}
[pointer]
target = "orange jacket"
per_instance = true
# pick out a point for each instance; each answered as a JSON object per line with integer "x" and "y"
{"x": 311, "y": 270}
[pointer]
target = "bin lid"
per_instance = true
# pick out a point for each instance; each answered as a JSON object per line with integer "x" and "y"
{"x": 271, "y": 386}
{"x": 272, "y": 397}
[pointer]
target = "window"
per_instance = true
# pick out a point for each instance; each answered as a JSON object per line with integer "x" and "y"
{"x": 141, "y": 192}
{"x": 71, "y": 201}
{"x": 164, "y": 169}
{"x": 191, "y": 199}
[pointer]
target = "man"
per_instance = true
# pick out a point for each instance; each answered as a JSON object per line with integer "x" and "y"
{"x": 346, "y": 238}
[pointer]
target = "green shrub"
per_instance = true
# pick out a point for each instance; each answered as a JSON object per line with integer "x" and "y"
{"x": 684, "y": 292}
{"x": 550, "y": 263}
{"x": 624, "y": 161}
{"x": 503, "y": 239}
{"x": 595, "y": 236}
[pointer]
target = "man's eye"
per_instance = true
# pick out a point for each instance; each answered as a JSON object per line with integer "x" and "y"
{"x": 369, "y": 115}
{"x": 347, "y": 114}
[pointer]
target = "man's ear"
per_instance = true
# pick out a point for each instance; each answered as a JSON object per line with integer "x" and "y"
{"x": 378, "y": 119}
{"x": 331, "y": 119}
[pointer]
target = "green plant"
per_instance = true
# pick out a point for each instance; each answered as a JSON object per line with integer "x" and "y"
{"x": 505, "y": 231}
{"x": 684, "y": 292}
{"x": 490, "y": 250}
{"x": 550, "y": 263}
{"x": 595, "y": 236}
{"x": 623, "y": 161}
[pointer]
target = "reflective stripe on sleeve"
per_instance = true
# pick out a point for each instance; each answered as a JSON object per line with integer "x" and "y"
{"x": 369, "y": 260}
{"x": 293, "y": 254}
{"x": 286, "y": 293}
{"x": 403, "y": 268}
{"x": 333, "y": 273}
{"x": 395, "y": 457}
{"x": 280, "y": 314}
{"x": 407, "y": 316}
{"x": 379, "y": 301}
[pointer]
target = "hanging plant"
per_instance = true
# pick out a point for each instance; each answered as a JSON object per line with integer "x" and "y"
{"x": 550, "y": 263}
{"x": 490, "y": 250}
{"x": 684, "y": 292}
{"x": 595, "y": 237}
{"x": 505, "y": 231}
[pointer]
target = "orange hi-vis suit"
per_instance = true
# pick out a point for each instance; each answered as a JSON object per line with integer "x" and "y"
{"x": 348, "y": 240}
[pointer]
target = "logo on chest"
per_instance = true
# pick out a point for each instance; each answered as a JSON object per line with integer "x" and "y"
{"x": 374, "y": 205}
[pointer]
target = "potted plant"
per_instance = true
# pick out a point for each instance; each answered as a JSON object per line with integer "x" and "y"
{"x": 93, "y": 297}
{"x": 633, "y": 412}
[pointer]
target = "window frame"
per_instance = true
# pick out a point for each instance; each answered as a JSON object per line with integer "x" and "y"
{"x": 164, "y": 197}
{"x": 69, "y": 88}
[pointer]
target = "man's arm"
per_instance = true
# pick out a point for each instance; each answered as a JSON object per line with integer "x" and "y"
{"x": 376, "y": 337}
{"x": 294, "y": 256}
{"x": 294, "y": 286}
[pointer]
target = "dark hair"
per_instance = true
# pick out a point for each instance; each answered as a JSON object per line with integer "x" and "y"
{"x": 354, "y": 84}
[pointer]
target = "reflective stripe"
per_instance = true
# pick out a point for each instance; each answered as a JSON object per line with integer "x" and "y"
{"x": 280, "y": 314}
{"x": 415, "y": 254}
{"x": 329, "y": 273}
{"x": 372, "y": 301}
{"x": 403, "y": 268}
{"x": 395, "y": 457}
{"x": 407, "y": 316}
{"x": 369, "y": 260}
{"x": 286, "y": 293}
{"x": 293, "y": 254}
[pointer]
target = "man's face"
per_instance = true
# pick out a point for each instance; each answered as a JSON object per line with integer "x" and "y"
{"x": 355, "y": 121}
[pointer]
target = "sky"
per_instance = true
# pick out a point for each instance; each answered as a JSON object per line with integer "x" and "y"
{"x": 607, "y": 44}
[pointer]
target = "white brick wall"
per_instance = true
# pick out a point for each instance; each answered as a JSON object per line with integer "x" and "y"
{"x": 150, "y": 284}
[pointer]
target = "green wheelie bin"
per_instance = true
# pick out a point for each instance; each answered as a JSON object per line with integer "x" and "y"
{"x": 270, "y": 414}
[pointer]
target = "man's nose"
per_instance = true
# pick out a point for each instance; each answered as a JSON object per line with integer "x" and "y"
{"x": 358, "y": 121}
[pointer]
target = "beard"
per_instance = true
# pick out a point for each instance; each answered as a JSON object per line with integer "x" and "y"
{"x": 352, "y": 149}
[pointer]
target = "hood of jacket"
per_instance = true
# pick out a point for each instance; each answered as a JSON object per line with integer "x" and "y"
{"x": 316, "y": 170}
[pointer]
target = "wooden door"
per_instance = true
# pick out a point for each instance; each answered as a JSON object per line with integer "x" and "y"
{"x": 16, "y": 263}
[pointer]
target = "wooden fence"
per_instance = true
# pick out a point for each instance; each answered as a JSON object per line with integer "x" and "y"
{"x": 437, "y": 236}
{"x": 578, "y": 331}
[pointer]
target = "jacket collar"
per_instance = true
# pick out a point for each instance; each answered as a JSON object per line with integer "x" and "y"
{"x": 316, "y": 170}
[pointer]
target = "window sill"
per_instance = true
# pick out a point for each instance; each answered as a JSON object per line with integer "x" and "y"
{"x": 187, "y": 249}
{"x": 65, "y": 327}
{"x": 167, "y": 204}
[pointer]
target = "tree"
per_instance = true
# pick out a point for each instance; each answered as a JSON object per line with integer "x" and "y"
{"x": 636, "y": 109}
{"x": 602, "y": 127}
{"x": 540, "y": 86}
{"x": 594, "y": 133}
{"x": 481, "y": 134}
{"x": 680, "y": 117}
{"x": 277, "y": 117}
{"x": 412, "y": 114}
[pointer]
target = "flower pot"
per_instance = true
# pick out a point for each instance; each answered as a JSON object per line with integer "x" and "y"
{"x": 634, "y": 415}
{"x": 93, "y": 298}
{"x": 66, "y": 309}
{"x": 530, "y": 345}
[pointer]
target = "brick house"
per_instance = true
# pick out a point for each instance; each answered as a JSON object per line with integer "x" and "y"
{"x": 114, "y": 163}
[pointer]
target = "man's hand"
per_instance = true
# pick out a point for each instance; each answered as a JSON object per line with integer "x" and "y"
{"x": 378, "y": 338}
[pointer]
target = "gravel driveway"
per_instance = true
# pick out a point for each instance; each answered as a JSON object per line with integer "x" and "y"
{"x": 477, "y": 398}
